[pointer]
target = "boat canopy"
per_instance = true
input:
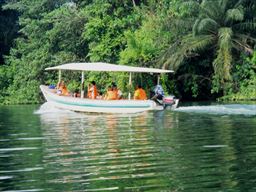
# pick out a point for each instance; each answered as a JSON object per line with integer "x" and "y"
{"x": 98, "y": 66}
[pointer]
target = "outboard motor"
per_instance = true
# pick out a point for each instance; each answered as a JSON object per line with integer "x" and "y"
{"x": 170, "y": 101}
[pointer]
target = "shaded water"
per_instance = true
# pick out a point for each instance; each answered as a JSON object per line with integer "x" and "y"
{"x": 195, "y": 148}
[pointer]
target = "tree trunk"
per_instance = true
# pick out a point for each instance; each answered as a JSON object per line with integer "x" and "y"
{"x": 133, "y": 2}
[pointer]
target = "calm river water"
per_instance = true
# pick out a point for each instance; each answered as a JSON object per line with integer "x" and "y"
{"x": 195, "y": 148}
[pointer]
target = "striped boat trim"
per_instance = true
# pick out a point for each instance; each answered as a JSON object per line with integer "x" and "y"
{"x": 99, "y": 105}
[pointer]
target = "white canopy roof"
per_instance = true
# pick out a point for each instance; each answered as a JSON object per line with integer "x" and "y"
{"x": 106, "y": 67}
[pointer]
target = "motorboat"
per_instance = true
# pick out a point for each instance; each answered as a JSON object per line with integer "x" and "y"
{"x": 81, "y": 104}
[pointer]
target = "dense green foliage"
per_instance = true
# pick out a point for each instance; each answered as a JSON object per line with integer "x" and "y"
{"x": 202, "y": 41}
{"x": 244, "y": 80}
{"x": 222, "y": 28}
{"x": 8, "y": 30}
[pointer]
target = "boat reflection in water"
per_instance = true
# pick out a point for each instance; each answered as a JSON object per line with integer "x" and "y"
{"x": 101, "y": 149}
{"x": 150, "y": 151}
{"x": 60, "y": 150}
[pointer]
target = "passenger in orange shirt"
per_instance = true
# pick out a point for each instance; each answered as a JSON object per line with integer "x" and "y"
{"x": 110, "y": 95}
{"x": 92, "y": 90}
{"x": 117, "y": 91}
{"x": 140, "y": 93}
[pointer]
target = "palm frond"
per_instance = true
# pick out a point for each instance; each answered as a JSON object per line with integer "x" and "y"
{"x": 241, "y": 46}
{"x": 205, "y": 26}
{"x": 212, "y": 9}
{"x": 188, "y": 47}
{"x": 238, "y": 3}
{"x": 222, "y": 63}
{"x": 244, "y": 37}
{"x": 195, "y": 27}
{"x": 223, "y": 4}
{"x": 246, "y": 26}
{"x": 181, "y": 24}
{"x": 196, "y": 43}
{"x": 192, "y": 6}
{"x": 196, "y": 7}
{"x": 242, "y": 42}
{"x": 236, "y": 14}
{"x": 225, "y": 35}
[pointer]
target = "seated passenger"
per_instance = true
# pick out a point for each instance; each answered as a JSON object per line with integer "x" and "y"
{"x": 92, "y": 90}
{"x": 99, "y": 96}
{"x": 110, "y": 95}
{"x": 62, "y": 89}
{"x": 76, "y": 93}
{"x": 117, "y": 91}
{"x": 158, "y": 93}
{"x": 140, "y": 94}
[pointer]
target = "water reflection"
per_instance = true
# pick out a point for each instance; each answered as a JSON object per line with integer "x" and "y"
{"x": 153, "y": 151}
{"x": 20, "y": 150}
{"x": 152, "y": 147}
{"x": 115, "y": 148}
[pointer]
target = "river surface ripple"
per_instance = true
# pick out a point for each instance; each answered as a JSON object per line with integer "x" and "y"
{"x": 195, "y": 148}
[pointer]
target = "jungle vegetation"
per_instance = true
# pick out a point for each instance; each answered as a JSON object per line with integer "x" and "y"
{"x": 210, "y": 44}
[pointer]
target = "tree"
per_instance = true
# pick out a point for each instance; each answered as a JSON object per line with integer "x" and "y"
{"x": 50, "y": 33}
{"x": 61, "y": 31}
{"x": 223, "y": 27}
{"x": 8, "y": 30}
{"x": 104, "y": 31}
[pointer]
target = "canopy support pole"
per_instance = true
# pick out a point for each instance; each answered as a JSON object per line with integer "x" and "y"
{"x": 82, "y": 85}
{"x": 59, "y": 76}
{"x": 158, "y": 79}
{"x": 130, "y": 85}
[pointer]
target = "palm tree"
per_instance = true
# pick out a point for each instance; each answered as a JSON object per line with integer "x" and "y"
{"x": 222, "y": 26}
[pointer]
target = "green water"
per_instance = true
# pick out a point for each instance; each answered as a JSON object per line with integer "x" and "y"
{"x": 192, "y": 149}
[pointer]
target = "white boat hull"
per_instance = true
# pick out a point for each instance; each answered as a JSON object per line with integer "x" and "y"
{"x": 97, "y": 106}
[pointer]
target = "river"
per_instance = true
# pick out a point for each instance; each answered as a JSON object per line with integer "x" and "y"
{"x": 194, "y": 148}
